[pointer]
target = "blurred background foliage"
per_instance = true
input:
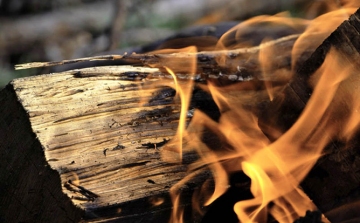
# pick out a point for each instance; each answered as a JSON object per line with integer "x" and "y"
{"x": 52, "y": 30}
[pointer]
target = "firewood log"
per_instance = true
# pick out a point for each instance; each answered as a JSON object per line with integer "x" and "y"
{"x": 88, "y": 140}
{"x": 94, "y": 134}
{"x": 97, "y": 141}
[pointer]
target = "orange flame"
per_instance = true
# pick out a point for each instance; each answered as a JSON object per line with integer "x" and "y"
{"x": 156, "y": 201}
{"x": 318, "y": 29}
{"x": 173, "y": 150}
{"x": 275, "y": 168}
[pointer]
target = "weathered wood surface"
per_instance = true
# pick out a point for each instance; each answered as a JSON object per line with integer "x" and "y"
{"x": 105, "y": 136}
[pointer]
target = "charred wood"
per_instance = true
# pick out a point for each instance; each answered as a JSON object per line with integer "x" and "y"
{"x": 239, "y": 64}
{"x": 333, "y": 183}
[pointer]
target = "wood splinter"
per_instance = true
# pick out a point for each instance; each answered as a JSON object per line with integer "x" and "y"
{"x": 241, "y": 64}
{"x": 88, "y": 195}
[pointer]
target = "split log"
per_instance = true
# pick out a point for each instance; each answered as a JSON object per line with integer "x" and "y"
{"x": 102, "y": 136}
{"x": 101, "y": 130}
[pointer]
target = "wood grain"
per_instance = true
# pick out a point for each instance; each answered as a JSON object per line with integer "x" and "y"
{"x": 104, "y": 135}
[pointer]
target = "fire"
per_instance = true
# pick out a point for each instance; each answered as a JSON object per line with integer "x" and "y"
{"x": 275, "y": 166}
{"x": 285, "y": 162}
{"x": 275, "y": 160}
{"x": 173, "y": 150}
{"x": 319, "y": 28}
{"x": 156, "y": 201}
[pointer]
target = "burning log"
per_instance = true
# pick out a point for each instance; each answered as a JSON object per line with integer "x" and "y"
{"x": 109, "y": 131}
{"x": 333, "y": 183}
{"x": 101, "y": 130}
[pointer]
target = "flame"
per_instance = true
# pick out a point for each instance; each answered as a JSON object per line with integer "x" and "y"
{"x": 156, "y": 201}
{"x": 316, "y": 32}
{"x": 172, "y": 152}
{"x": 75, "y": 178}
{"x": 285, "y": 162}
{"x": 275, "y": 168}
{"x": 266, "y": 65}
{"x": 238, "y": 36}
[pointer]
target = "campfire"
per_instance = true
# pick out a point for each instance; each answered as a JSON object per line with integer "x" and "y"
{"x": 261, "y": 130}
